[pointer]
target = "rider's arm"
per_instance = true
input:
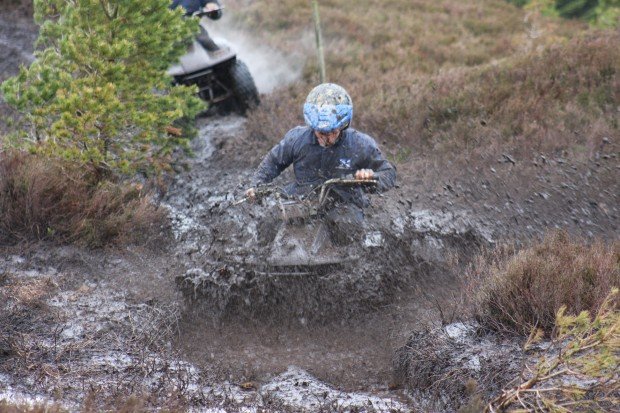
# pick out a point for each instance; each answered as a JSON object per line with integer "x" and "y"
{"x": 277, "y": 160}
{"x": 384, "y": 171}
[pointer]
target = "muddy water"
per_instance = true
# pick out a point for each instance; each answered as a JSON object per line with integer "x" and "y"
{"x": 352, "y": 354}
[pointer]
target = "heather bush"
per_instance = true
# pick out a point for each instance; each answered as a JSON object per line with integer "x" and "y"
{"x": 559, "y": 100}
{"x": 382, "y": 55}
{"x": 515, "y": 291}
{"x": 457, "y": 92}
{"x": 45, "y": 199}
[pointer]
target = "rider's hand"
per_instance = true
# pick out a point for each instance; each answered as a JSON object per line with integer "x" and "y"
{"x": 251, "y": 194}
{"x": 365, "y": 174}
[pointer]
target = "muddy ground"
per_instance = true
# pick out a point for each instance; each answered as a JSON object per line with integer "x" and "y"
{"x": 110, "y": 322}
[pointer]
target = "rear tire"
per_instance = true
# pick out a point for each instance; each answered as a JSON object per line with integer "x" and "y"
{"x": 243, "y": 87}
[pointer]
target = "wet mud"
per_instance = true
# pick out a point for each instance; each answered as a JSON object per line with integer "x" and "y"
{"x": 226, "y": 263}
{"x": 342, "y": 325}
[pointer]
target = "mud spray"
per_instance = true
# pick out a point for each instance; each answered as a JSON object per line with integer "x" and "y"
{"x": 269, "y": 67}
{"x": 352, "y": 352}
{"x": 324, "y": 325}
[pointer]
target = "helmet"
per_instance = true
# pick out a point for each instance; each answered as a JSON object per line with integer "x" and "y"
{"x": 328, "y": 107}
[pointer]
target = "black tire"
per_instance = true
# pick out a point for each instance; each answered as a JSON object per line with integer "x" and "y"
{"x": 243, "y": 87}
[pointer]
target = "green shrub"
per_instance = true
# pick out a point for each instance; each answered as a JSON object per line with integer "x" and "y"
{"x": 578, "y": 372}
{"x": 604, "y": 13}
{"x": 97, "y": 92}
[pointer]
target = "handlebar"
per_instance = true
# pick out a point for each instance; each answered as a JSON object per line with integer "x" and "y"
{"x": 323, "y": 189}
{"x": 327, "y": 185}
{"x": 261, "y": 191}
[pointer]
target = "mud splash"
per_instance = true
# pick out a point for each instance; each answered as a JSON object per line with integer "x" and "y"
{"x": 342, "y": 327}
{"x": 102, "y": 341}
{"x": 270, "y": 68}
{"x": 225, "y": 274}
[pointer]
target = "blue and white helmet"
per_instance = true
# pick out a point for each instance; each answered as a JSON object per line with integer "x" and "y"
{"x": 328, "y": 107}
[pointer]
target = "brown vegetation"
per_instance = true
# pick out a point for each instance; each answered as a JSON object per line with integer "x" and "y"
{"x": 23, "y": 310}
{"x": 445, "y": 369}
{"x": 43, "y": 199}
{"x": 6, "y": 407}
{"x": 561, "y": 99}
{"x": 517, "y": 291}
{"x": 23, "y": 313}
{"x": 486, "y": 78}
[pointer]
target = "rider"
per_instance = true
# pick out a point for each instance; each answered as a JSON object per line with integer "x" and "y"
{"x": 328, "y": 148}
{"x": 214, "y": 12}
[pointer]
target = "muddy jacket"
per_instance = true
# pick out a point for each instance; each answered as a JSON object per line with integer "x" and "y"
{"x": 192, "y": 6}
{"x": 314, "y": 164}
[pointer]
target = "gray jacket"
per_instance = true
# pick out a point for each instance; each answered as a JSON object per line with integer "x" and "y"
{"x": 314, "y": 164}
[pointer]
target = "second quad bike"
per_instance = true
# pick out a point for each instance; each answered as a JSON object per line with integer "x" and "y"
{"x": 222, "y": 79}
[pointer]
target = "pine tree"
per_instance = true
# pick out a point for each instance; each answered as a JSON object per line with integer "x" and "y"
{"x": 97, "y": 92}
{"x": 576, "y": 8}
{"x": 607, "y": 13}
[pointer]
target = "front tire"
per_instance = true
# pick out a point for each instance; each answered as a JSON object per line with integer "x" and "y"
{"x": 243, "y": 87}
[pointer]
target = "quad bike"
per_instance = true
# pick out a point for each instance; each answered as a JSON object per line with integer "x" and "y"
{"x": 301, "y": 268}
{"x": 303, "y": 243}
{"x": 222, "y": 80}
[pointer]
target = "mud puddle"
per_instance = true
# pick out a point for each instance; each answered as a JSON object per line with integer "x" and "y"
{"x": 103, "y": 337}
{"x": 354, "y": 354}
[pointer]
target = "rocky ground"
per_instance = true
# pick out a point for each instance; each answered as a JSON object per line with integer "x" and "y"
{"x": 109, "y": 322}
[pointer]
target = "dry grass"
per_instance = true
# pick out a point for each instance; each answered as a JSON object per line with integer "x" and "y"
{"x": 22, "y": 312}
{"x": 6, "y": 407}
{"x": 516, "y": 291}
{"x": 452, "y": 79}
{"x": 42, "y": 199}
{"x": 563, "y": 99}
